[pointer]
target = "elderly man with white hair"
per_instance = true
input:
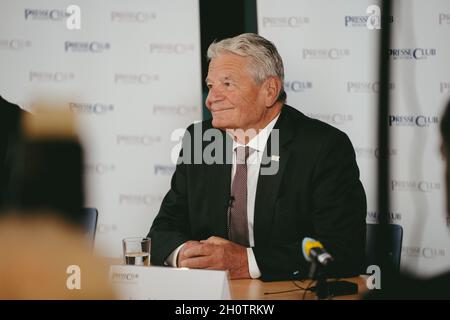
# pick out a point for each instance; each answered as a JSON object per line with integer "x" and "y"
{"x": 256, "y": 179}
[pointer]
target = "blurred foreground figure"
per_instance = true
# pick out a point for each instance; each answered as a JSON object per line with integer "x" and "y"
{"x": 50, "y": 164}
{"x": 36, "y": 251}
{"x": 410, "y": 287}
{"x": 43, "y": 248}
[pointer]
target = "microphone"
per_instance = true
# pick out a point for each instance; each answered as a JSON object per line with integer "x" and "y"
{"x": 230, "y": 201}
{"x": 314, "y": 252}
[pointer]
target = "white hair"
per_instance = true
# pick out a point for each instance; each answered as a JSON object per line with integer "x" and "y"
{"x": 264, "y": 57}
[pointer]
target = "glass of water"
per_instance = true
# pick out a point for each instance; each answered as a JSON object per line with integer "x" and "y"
{"x": 136, "y": 251}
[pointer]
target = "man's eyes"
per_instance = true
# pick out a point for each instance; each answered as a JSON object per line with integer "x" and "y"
{"x": 225, "y": 83}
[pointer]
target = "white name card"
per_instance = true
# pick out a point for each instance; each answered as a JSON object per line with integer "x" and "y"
{"x": 165, "y": 283}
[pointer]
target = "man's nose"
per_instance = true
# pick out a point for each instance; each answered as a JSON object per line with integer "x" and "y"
{"x": 214, "y": 95}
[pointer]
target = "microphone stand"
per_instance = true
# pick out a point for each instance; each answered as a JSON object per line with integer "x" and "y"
{"x": 321, "y": 288}
{"x": 325, "y": 289}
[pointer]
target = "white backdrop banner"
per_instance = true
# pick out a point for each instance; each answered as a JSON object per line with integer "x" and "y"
{"x": 330, "y": 52}
{"x": 131, "y": 71}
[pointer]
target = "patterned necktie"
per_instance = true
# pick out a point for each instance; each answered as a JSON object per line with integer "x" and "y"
{"x": 238, "y": 223}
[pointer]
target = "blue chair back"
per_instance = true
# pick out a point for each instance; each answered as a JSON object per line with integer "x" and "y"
{"x": 395, "y": 239}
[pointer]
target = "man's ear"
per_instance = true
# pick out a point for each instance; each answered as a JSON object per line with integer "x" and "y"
{"x": 272, "y": 88}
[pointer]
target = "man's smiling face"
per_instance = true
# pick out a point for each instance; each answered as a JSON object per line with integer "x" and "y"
{"x": 234, "y": 99}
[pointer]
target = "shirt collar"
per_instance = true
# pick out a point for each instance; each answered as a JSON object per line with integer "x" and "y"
{"x": 259, "y": 141}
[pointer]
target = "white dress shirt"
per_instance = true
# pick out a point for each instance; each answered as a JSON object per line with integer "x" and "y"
{"x": 257, "y": 146}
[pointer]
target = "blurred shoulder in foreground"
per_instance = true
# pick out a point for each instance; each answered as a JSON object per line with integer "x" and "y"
{"x": 36, "y": 253}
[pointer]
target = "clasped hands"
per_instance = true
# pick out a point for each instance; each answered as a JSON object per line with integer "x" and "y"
{"x": 215, "y": 253}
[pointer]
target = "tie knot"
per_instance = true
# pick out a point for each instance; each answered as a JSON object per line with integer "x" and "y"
{"x": 242, "y": 154}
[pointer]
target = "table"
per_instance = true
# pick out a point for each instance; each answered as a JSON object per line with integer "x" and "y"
{"x": 254, "y": 289}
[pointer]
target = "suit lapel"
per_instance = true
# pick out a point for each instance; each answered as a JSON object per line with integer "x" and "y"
{"x": 269, "y": 184}
{"x": 219, "y": 183}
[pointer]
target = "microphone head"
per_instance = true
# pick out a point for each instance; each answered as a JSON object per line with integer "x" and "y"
{"x": 307, "y": 245}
